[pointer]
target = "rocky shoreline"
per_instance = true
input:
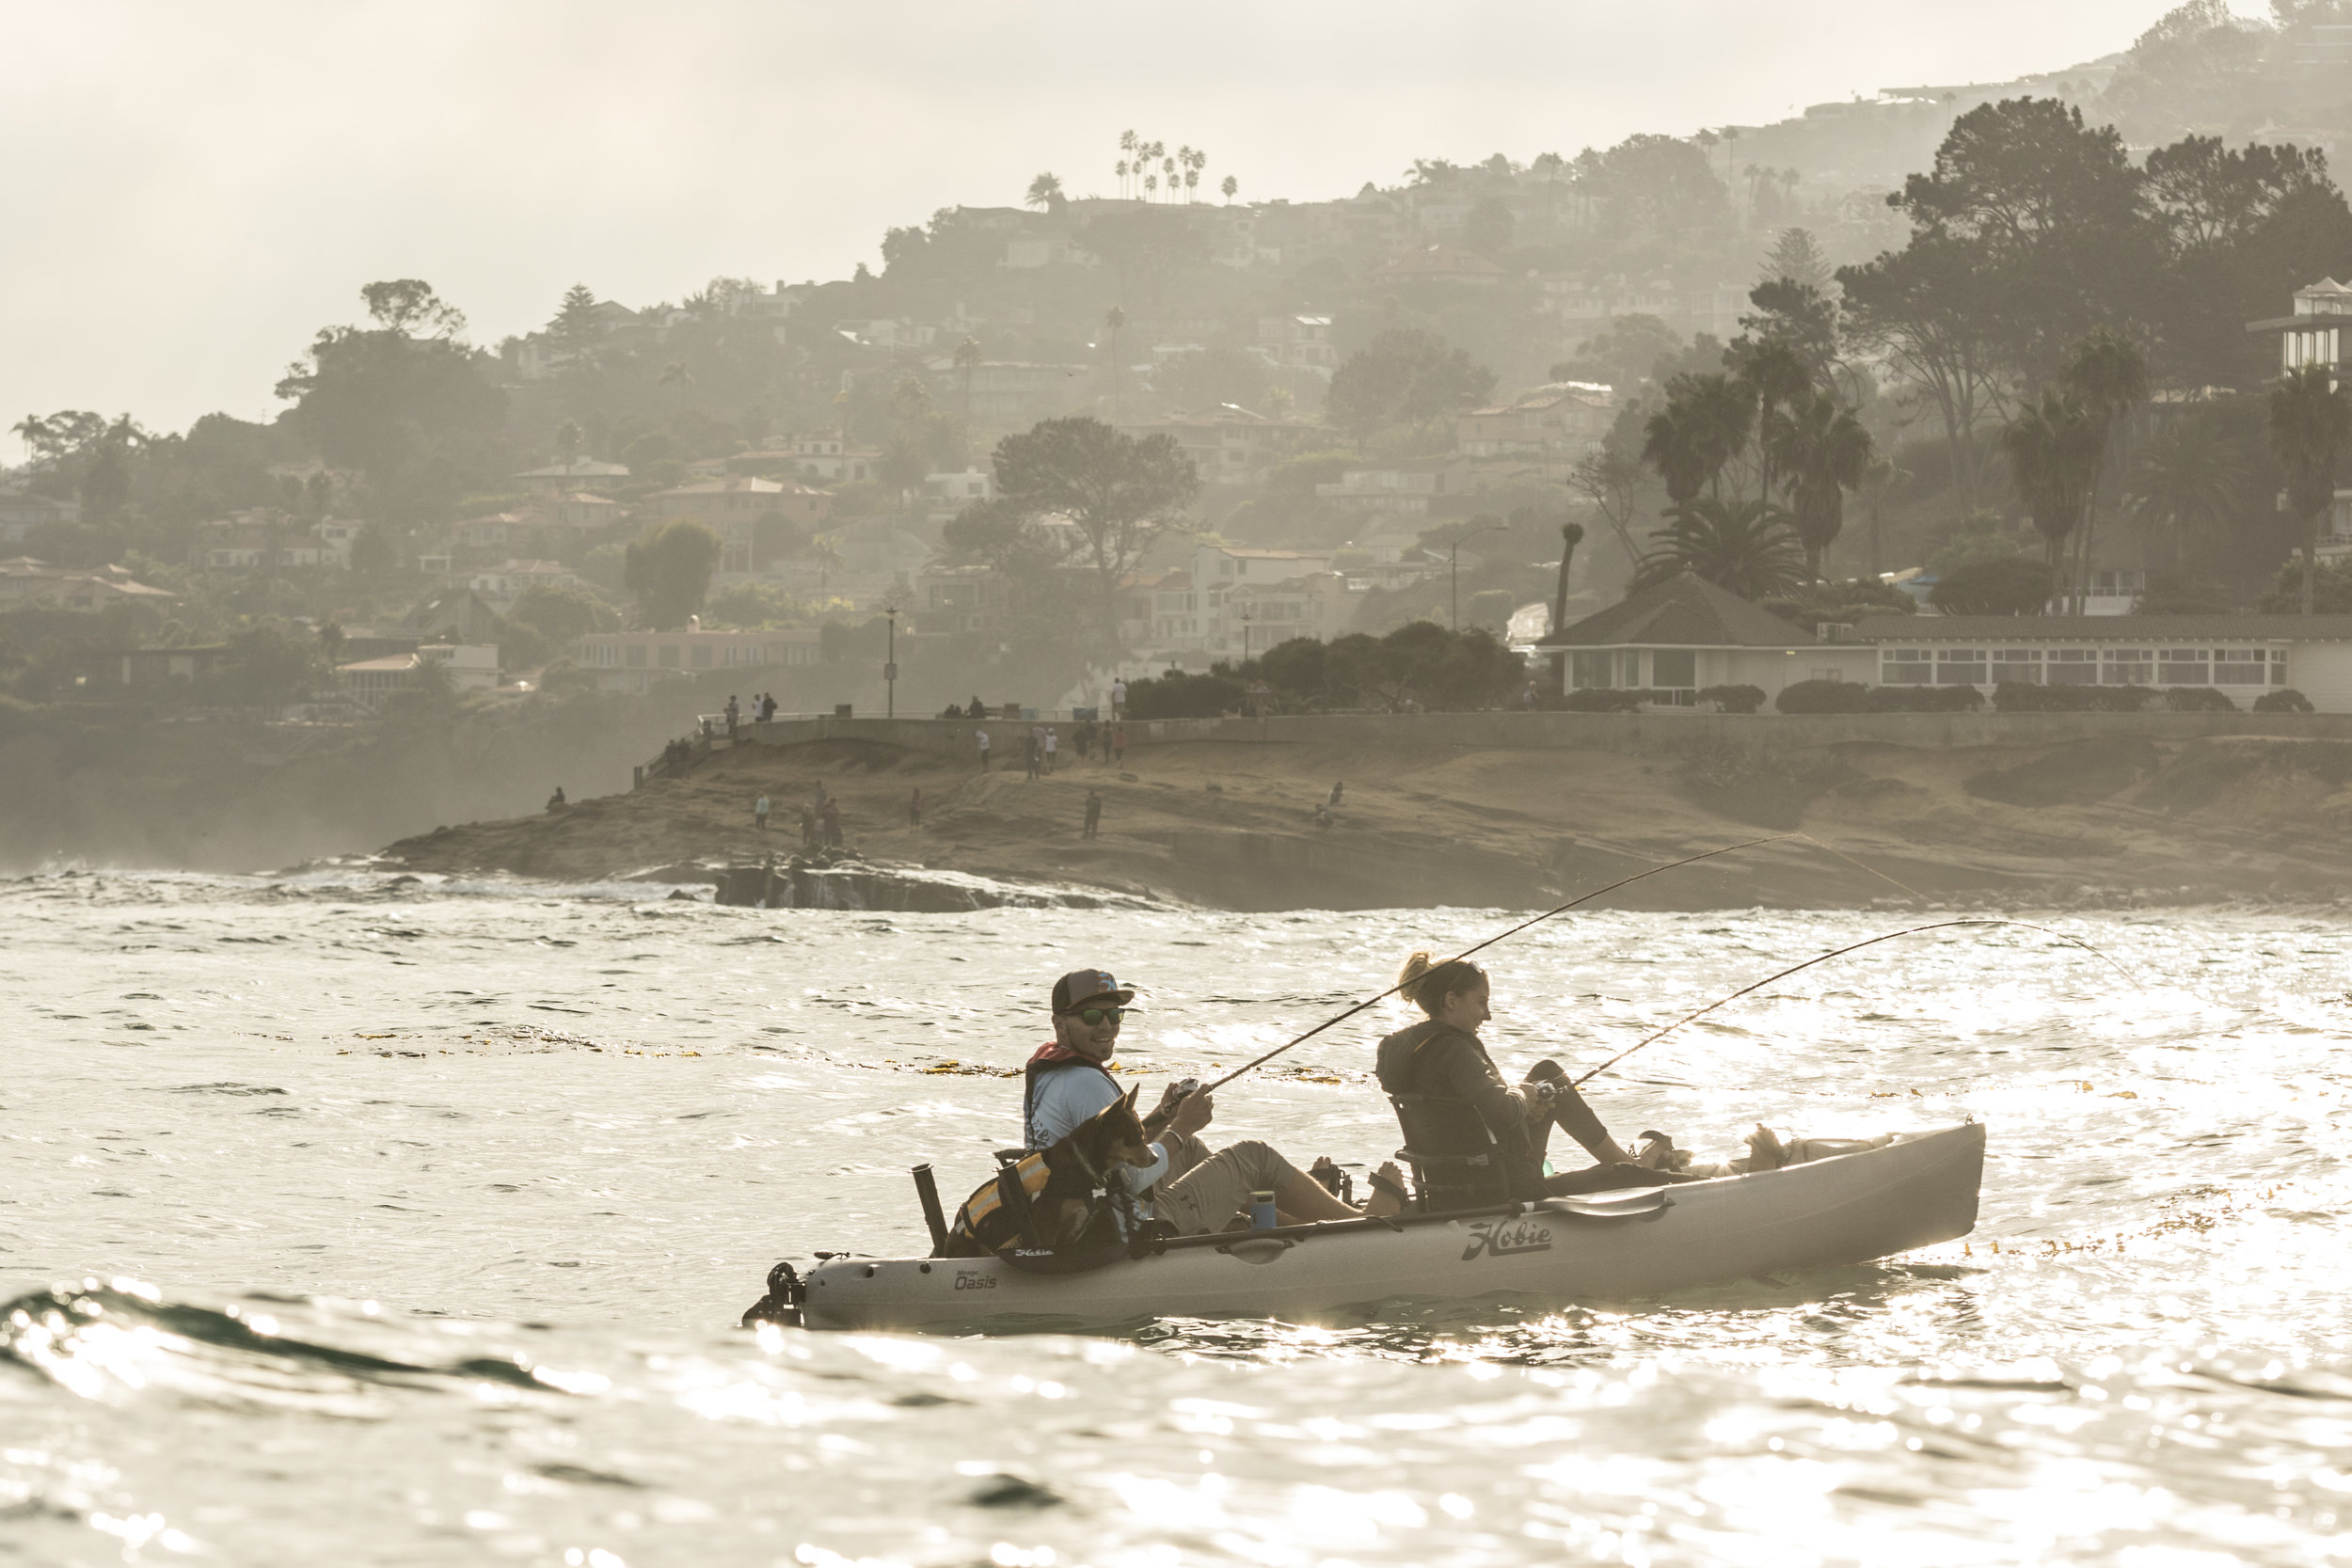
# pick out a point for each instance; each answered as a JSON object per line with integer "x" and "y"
{"x": 2118, "y": 819}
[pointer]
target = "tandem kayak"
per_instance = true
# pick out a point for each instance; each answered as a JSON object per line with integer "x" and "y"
{"x": 1914, "y": 1191}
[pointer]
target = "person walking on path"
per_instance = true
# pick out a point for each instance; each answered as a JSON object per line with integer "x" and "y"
{"x": 809, "y": 841}
{"x": 1052, "y": 744}
{"x": 1119, "y": 745}
{"x": 734, "y": 713}
{"x": 1118, "y": 699}
{"x": 829, "y": 815}
{"x": 759, "y": 814}
{"x": 1339, "y": 787}
{"x": 914, "y": 808}
{"x": 1032, "y": 751}
{"x": 979, "y": 738}
{"x": 1094, "y": 814}
{"x": 1082, "y": 735}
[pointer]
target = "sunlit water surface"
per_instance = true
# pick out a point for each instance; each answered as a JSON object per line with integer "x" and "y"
{"x": 416, "y": 1221}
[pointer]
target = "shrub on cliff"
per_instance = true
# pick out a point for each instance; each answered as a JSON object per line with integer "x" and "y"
{"x": 1732, "y": 698}
{"x": 2019, "y": 697}
{"x": 1925, "y": 699}
{"x": 2284, "y": 700}
{"x": 1601, "y": 698}
{"x": 1823, "y": 697}
{"x": 2196, "y": 699}
{"x": 1179, "y": 695}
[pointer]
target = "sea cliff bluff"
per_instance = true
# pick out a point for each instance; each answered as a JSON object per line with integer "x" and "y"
{"x": 1518, "y": 809}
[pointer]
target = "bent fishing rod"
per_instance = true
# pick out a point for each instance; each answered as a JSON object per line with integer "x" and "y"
{"x": 1839, "y": 952}
{"x": 1535, "y": 920}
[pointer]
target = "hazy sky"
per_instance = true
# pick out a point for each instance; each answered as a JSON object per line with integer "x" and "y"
{"x": 192, "y": 189}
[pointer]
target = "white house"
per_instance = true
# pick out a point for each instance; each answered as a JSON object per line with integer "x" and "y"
{"x": 1685, "y": 634}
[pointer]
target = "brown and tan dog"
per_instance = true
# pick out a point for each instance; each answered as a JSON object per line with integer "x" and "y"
{"x": 1073, "y": 1170}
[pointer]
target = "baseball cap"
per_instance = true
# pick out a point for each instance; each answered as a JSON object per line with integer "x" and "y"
{"x": 1080, "y": 985}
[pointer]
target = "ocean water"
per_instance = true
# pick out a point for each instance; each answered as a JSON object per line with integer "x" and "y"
{"x": 359, "y": 1222}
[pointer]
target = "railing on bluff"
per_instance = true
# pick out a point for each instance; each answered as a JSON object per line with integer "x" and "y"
{"x": 1639, "y": 734}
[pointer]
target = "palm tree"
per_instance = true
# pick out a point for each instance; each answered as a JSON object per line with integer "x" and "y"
{"x": 1705, "y": 424}
{"x": 1880, "y": 479}
{"x": 1825, "y": 451}
{"x": 1742, "y": 547}
{"x": 2109, "y": 376}
{"x": 1571, "y": 535}
{"x": 967, "y": 361}
{"x": 2189, "y": 479}
{"x": 568, "y": 442}
{"x": 2054, "y": 447}
{"x": 674, "y": 374}
{"x": 1779, "y": 379}
{"x": 1127, "y": 145}
{"x": 2311, "y": 425}
{"x": 1045, "y": 192}
{"x": 1230, "y": 187}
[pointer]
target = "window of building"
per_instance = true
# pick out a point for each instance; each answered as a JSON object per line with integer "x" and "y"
{"x": 2017, "y": 666}
{"x": 2073, "y": 667}
{"x": 2183, "y": 667}
{"x": 2238, "y": 666}
{"x": 1592, "y": 669}
{"x": 636, "y": 652}
{"x": 1905, "y": 667}
{"x": 1674, "y": 667}
{"x": 2278, "y": 667}
{"x": 2128, "y": 667}
{"x": 1960, "y": 667}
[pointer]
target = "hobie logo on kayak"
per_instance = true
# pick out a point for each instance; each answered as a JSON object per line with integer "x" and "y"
{"x": 1497, "y": 1238}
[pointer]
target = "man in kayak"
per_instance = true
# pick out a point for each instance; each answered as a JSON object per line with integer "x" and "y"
{"x": 1442, "y": 1057}
{"x": 1193, "y": 1189}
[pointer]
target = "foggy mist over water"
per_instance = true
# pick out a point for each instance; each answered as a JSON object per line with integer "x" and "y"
{"x": 209, "y": 184}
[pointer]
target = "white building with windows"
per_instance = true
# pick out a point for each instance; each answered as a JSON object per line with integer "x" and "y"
{"x": 2242, "y": 656}
{"x": 1684, "y": 635}
{"x": 638, "y": 660}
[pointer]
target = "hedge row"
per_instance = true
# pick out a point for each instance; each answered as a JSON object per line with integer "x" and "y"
{"x": 1854, "y": 697}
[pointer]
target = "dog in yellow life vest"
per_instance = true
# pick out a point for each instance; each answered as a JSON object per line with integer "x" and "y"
{"x": 1054, "y": 1200}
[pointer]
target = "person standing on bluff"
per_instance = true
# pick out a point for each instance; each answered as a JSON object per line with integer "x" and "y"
{"x": 1094, "y": 814}
{"x": 759, "y": 814}
{"x": 1052, "y": 744}
{"x": 734, "y": 713}
{"x": 979, "y": 738}
{"x": 1118, "y": 700}
{"x": 914, "y": 808}
{"x": 1033, "y": 751}
{"x": 1119, "y": 745}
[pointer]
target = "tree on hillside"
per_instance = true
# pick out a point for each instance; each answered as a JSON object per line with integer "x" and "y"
{"x": 1490, "y": 226}
{"x": 2004, "y": 585}
{"x": 1404, "y": 376}
{"x": 575, "y": 321}
{"x": 2107, "y": 375}
{"x": 669, "y": 569}
{"x": 1797, "y": 258}
{"x": 2191, "y": 482}
{"x": 1705, "y": 424}
{"x": 1825, "y": 451}
{"x": 419, "y": 414}
{"x": 406, "y": 305}
{"x": 1045, "y": 192}
{"x": 1623, "y": 354}
{"x": 1120, "y": 492}
{"x": 2054, "y": 447}
{"x": 1743, "y": 546}
{"x": 1799, "y": 315}
{"x": 2311, "y": 429}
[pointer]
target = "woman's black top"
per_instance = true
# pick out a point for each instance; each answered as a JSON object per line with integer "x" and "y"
{"x": 1438, "y": 1061}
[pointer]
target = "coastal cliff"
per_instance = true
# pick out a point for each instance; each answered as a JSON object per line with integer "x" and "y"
{"x": 2117, "y": 814}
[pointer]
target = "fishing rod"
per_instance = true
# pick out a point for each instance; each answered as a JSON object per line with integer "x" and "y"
{"x": 1370, "y": 1002}
{"x": 1890, "y": 936}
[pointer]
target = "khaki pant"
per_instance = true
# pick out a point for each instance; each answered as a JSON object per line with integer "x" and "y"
{"x": 1202, "y": 1190}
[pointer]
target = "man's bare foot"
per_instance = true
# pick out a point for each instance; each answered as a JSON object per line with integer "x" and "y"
{"x": 1388, "y": 1191}
{"x": 1765, "y": 1149}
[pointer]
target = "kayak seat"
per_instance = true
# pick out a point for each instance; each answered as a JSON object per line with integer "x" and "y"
{"x": 1451, "y": 1153}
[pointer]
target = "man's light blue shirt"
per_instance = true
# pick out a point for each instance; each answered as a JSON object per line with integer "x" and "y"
{"x": 1069, "y": 1096}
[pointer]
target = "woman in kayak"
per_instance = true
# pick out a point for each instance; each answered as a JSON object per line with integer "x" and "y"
{"x": 1442, "y": 1057}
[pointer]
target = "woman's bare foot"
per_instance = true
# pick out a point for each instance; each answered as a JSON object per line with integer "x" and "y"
{"x": 1388, "y": 1191}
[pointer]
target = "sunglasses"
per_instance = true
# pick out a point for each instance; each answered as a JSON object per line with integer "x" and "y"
{"x": 1090, "y": 1017}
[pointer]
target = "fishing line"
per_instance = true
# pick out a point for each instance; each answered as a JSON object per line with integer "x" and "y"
{"x": 1369, "y": 1002}
{"x": 1873, "y": 942}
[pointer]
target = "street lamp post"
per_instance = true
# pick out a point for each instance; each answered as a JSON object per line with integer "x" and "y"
{"x": 890, "y": 666}
{"x": 1248, "y": 613}
{"x": 1454, "y": 573}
